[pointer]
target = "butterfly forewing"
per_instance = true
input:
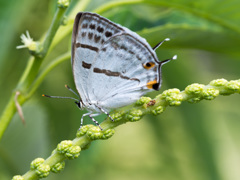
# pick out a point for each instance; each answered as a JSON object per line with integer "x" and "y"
{"x": 124, "y": 69}
{"x": 90, "y": 32}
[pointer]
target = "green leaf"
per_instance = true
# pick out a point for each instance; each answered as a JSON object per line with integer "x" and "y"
{"x": 207, "y": 25}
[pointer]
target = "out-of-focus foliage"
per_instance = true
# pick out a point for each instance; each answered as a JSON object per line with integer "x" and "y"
{"x": 193, "y": 141}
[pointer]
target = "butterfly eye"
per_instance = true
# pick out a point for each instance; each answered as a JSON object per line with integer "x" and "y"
{"x": 148, "y": 65}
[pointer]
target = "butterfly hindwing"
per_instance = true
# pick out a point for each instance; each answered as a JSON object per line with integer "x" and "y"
{"x": 90, "y": 32}
{"x": 124, "y": 69}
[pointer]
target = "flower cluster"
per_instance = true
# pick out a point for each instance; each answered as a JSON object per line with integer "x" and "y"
{"x": 94, "y": 132}
{"x": 69, "y": 150}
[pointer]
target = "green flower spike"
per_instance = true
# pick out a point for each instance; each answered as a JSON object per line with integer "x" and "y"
{"x": 143, "y": 100}
{"x": 73, "y": 152}
{"x": 36, "y": 162}
{"x": 194, "y": 89}
{"x": 17, "y": 177}
{"x": 194, "y": 100}
{"x": 134, "y": 115}
{"x": 233, "y": 85}
{"x": 172, "y": 96}
{"x": 43, "y": 170}
{"x": 63, "y": 3}
{"x": 83, "y": 130}
{"x": 225, "y": 87}
{"x": 117, "y": 116}
{"x": 88, "y": 133}
{"x": 158, "y": 110}
{"x": 63, "y": 146}
{"x": 69, "y": 151}
{"x": 218, "y": 82}
{"x": 58, "y": 167}
{"x": 210, "y": 93}
{"x": 108, "y": 133}
{"x": 94, "y": 133}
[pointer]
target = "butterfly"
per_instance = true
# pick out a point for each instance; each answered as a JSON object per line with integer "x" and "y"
{"x": 112, "y": 65}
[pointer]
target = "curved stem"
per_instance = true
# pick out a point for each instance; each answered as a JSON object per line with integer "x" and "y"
{"x": 7, "y": 115}
{"x": 43, "y": 74}
{"x": 28, "y": 82}
{"x": 35, "y": 62}
{"x": 57, "y": 20}
{"x": 188, "y": 9}
{"x": 10, "y": 109}
{"x": 30, "y": 73}
{"x": 111, "y": 5}
{"x": 67, "y": 29}
{"x": 172, "y": 97}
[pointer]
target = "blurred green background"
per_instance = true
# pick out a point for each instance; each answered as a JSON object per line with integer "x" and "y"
{"x": 190, "y": 142}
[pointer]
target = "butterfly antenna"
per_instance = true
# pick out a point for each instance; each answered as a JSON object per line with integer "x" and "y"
{"x": 60, "y": 97}
{"x": 159, "y": 44}
{"x": 66, "y": 86}
{"x": 167, "y": 60}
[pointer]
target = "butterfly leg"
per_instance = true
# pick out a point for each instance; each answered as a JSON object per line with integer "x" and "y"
{"x": 105, "y": 112}
{"x": 82, "y": 119}
{"x": 91, "y": 116}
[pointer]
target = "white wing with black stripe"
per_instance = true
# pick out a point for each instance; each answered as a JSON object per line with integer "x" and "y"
{"x": 90, "y": 32}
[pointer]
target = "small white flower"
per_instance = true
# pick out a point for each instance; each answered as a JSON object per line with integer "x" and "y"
{"x": 27, "y": 42}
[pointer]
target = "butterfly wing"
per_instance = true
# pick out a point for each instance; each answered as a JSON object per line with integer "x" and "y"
{"x": 90, "y": 32}
{"x": 125, "y": 68}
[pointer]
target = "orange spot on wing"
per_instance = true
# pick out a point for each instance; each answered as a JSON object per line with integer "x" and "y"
{"x": 149, "y": 65}
{"x": 151, "y": 83}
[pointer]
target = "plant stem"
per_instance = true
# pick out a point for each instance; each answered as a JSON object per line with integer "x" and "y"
{"x": 193, "y": 93}
{"x": 199, "y": 13}
{"x": 43, "y": 74}
{"x": 35, "y": 62}
{"x": 67, "y": 29}
{"x": 57, "y": 20}
{"x": 30, "y": 73}
{"x": 7, "y": 114}
{"x": 110, "y": 5}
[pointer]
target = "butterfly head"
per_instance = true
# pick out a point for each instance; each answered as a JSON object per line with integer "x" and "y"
{"x": 79, "y": 104}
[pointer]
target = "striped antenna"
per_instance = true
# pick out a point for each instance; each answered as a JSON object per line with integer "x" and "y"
{"x": 66, "y": 86}
{"x": 60, "y": 97}
{"x": 159, "y": 44}
{"x": 167, "y": 60}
